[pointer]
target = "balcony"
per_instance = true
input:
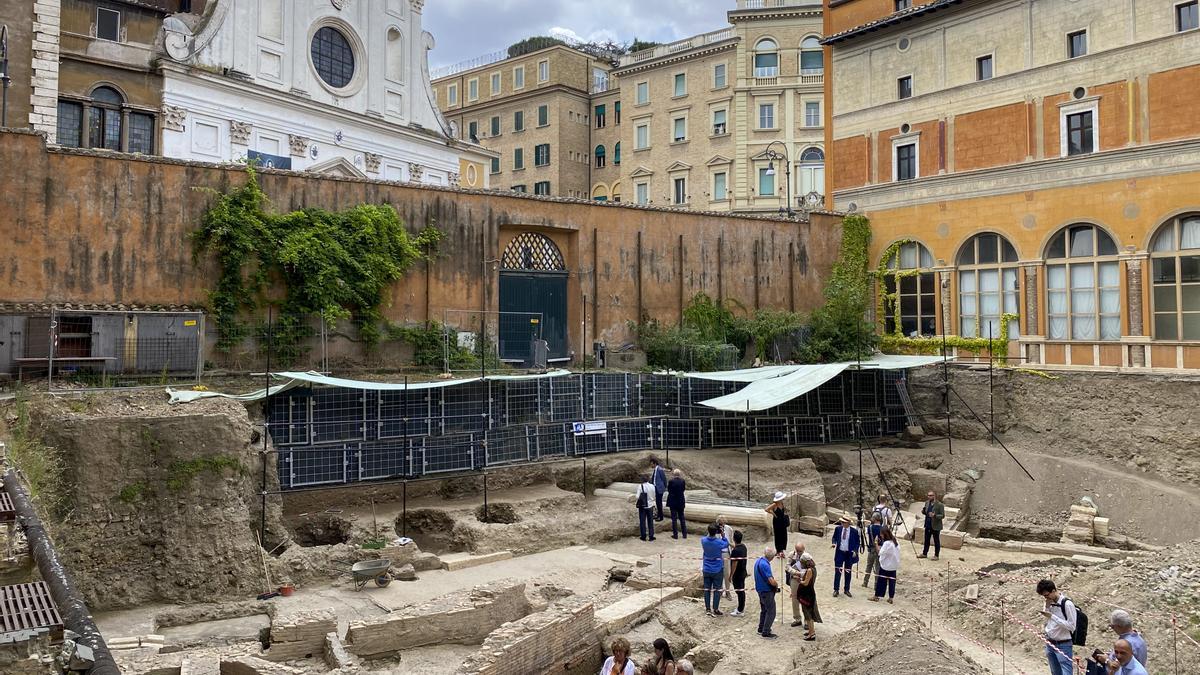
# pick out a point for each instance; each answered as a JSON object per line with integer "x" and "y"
{"x": 774, "y": 4}
{"x": 806, "y": 78}
{"x": 676, "y": 47}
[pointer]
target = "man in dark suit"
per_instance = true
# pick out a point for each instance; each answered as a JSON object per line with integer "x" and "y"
{"x": 675, "y": 502}
{"x": 659, "y": 478}
{"x": 845, "y": 556}
{"x": 935, "y": 514}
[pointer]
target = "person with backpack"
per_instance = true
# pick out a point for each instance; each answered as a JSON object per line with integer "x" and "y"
{"x": 713, "y": 569}
{"x": 1065, "y": 627}
{"x": 645, "y": 507}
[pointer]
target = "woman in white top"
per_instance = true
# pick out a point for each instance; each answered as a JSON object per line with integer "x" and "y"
{"x": 619, "y": 663}
{"x": 727, "y": 534}
{"x": 889, "y": 565}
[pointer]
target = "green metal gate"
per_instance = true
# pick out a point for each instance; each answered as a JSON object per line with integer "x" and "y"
{"x": 533, "y": 281}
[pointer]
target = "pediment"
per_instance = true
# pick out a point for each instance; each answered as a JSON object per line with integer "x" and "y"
{"x": 338, "y": 166}
{"x": 718, "y": 160}
{"x": 679, "y": 166}
{"x": 640, "y": 172}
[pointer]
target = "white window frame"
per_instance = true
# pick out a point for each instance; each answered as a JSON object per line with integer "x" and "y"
{"x": 725, "y": 131}
{"x": 473, "y": 89}
{"x": 641, "y": 193}
{"x": 452, "y": 94}
{"x": 675, "y": 80}
{"x": 724, "y": 67}
{"x": 637, "y": 140}
{"x": 518, "y": 77}
{"x": 759, "y": 108}
{"x": 1175, "y": 16}
{"x": 1087, "y": 42}
{"x": 1090, "y": 103}
{"x": 543, "y": 72}
{"x": 913, "y": 139}
{"x": 674, "y": 124}
{"x": 675, "y": 201}
{"x": 978, "y": 58}
{"x": 912, "y": 86}
{"x": 724, "y": 196}
{"x": 819, "y": 121}
{"x": 119, "y": 19}
{"x": 496, "y": 84}
{"x": 640, "y": 88}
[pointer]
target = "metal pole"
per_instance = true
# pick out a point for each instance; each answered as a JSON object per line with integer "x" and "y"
{"x": 946, "y": 382}
{"x": 485, "y": 504}
{"x": 4, "y": 78}
{"x": 991, "y": 392}
{"x": 1003, "y": 661}
{"x": 746, "y": 437}
{"x": 585, "y": 478}
{"x": 1175, "y": 641}
{"x": 404, "y": 511}
{"x": 262, "y": 525}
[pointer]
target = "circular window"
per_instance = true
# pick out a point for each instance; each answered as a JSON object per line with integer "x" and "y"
{"x": 1079, "y": 92}
{"x": 333, "y": 57}
{"x": 905, "y": 128}
{"x": 903, "y": 44}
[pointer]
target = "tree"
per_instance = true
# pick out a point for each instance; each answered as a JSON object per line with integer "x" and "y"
{"x": 533, "y": 44}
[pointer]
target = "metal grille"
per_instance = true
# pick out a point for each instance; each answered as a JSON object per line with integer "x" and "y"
{"x": 532, "y": 251}
{"x": 448, "y": 453}
{"x": 566, "y": 398}
{"x": 332, "y": 57}
{"x": 314, "y": 466}
{"x": 29, "y": 607}
{"x": 382, "y": 460}
{"x": 675, "y": 433}
{"x": 338, "y": 415}
{"x": 507, "y": 446}
{"x": 551, "y": 440}
{"x": 771, "y": 431}
{"x": 809, "y": 430}
{"x": 634, "y": 434}
{"x": 725, "y": 432}
{"x": 841, "y": 428}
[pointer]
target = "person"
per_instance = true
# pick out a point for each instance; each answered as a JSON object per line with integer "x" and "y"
{"x": 885, "y": 512}
{"x": 738, "y": 557}
{"x": 645, "y": 504}
{"x": 659, "y": 476}
{"x": 767, "y": 587}
{"x": 1122, "y": 624}
{"x": 779, "y": 521}
{"x": 1060, "y": 616}
{"x": 845, "y": 556}
{"x": 873, "y": 544}
{"x": 1122, "y": 661}
{"x": 675, "y": 502}
{"x": 713, "y": 569}
{"x": 889, "y": 565}
{"x": 807, "y": 592}
{"x": 685, "y": 667}
{"x": 664, "y": 660}
{"x": 934, "y": 512}
{"x": 618, "y": 663}
{"x": 793, "y": 573}
{"x": 1095, "y": 664}
{"x": 727, "y": 535}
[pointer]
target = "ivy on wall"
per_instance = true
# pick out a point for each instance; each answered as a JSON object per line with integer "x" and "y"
{"x": 839, "y": 331}
{"x": 329, "y": 265}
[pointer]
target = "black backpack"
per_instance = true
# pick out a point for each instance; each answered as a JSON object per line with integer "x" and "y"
{"x": 643, "y": 499}
{"x": 1079, "y": 637}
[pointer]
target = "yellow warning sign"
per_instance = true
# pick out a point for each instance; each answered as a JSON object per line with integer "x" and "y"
{"x": 190, "y": 322}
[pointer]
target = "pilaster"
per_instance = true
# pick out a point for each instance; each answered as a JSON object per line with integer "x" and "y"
{"x": 43, "y": 109}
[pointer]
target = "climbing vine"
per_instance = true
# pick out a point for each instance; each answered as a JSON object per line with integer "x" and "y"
{"x": 839, "y": 330}
{"x": 329, "y": 265}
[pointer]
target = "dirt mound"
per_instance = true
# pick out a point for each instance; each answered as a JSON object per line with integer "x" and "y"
{"x": 323, "y": 530}
{"x": 502, "y": 513}
{"x": 890, "y": 643}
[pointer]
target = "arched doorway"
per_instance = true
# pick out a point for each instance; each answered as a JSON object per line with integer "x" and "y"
{"x": 533, "y": 281}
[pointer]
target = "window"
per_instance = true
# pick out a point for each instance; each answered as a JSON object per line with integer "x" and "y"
{"x": 718, "y": 76}
{"x": 600, "y": 121}
{"x": 616, "y": 192}
{"x": 543, "y": 115}
{"x": 1187, "y": 16}
{"x": 903, "y": 4}
{"x": 452, "y": 94}
{"x": 541, "y": 154}
{"x": 519, "y": 120}
{"x": 679, "y": 129}
{"x": 599, "y": 80}
{"x": 1076, "y": 44}
{"x": 141, "y": 133}
{"x": 766, "y": 116}
{"x": 766, "y": 182}
{"x": 812, "y": 59}
{"x": 720, "y": 193}
{"x": 519, "y": 77}
{"x": 104, "y": 123}
{"x": 812, "y": 171}
{"x": 911, "y": 288}
{"x": 617, "y": 112}
{"x": 473, "y": 131}
{"x": 541, "y": 187}
{"x": 680, "y": 84}
{"x": 518, "y": 158}
{"x": 904, "y": 87}
{"x": 812, "y": 114}
{"x": 495, "y": 84}
{"x": 641, "y": 139}
{"x": 332, "y": 57}
{"x": 108, "y": 24}
{"x": 1080, "y": 138}
{"x": 766, "y": 58}
{"x": 987, "y": 287}
{"x": 599, "y": 156}
{"x": 680, "y": 191}
{"x": 617, "y": 153}
{"x": 518, "y": 188}
{"x": 70, "y": 124}
{"x": 543, "y": 71}
{"x": 495, "y": 165}
{"x": 1175, "y": 259}
{"x": 495, "y": 126}
{"x": 983, "y": 68}
{"x": 1083, "y": 285}
{"x": 906, "y": 161}
{"x": 472, "y": 89}
{"x": 643, "y": 93}
{"x": 641, "y": 193}
{"x": 719, "y": 126}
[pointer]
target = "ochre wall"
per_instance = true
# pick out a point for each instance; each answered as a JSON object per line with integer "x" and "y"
{"x": 95, "y": 227}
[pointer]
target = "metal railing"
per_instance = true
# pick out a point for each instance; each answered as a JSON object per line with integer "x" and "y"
{"x": 770, "y": 4}
{"x": 678, "y": 46}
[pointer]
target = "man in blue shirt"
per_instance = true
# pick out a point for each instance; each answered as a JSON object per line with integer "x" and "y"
{"x": 1122, "y": 662}
{"x": 767, "y": 587}
{"x": 1122, "y": 624}
{"x": 713, "y": 568}
{"x": 845, "y": 556}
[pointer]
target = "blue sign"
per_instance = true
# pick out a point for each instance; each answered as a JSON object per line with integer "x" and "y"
{"x": 590, "y": 428}
{"x": 268, "y": 161}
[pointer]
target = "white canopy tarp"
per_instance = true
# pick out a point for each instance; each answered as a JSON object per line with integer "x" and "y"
{"x": 775, "y": 391}
{"x": 296, "y": 379}
{"x": 744, "y": 375}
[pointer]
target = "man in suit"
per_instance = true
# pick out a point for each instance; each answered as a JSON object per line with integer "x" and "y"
{"x": 934, "y": 512}
{"x": 845, "y": 543}
{"x": 660, "y": 486}
{"x": 675, "y": 502}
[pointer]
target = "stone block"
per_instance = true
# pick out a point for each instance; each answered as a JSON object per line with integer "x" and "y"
{"x": 924, "y": 480}
{"x": 634, "y": 609}
{"x": 811, "y": 524}
{"x": 1085, "y": 510}
{"x": 1100, "y": 527}
{"x": 300, "y": 635}
{"x": 404, "y": 573}
{"x": 460, "y": 561}
{"x": 251, "y": 665}
{"x": 957, "y": 500}
{"x": 336, "y": 655}
{"x": 951, "y": 539}
{"x": 426, "y": 561}
{"x": 539, "y": 643}
{"x": 1089, "y": 559}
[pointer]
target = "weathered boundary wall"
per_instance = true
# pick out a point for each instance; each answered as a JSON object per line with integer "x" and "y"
{"x": 1146, "y": 421}
{"x": 86, "y": 226}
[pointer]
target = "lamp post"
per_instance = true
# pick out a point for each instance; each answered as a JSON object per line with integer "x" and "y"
{"x": 774, "y": 156}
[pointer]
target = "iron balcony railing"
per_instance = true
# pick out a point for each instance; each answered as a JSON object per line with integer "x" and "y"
{"x": 678, "y": 46}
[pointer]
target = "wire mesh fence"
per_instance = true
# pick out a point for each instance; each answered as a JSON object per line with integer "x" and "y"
{"x": 329, "y": 435}
{"x": 476, "y": 341}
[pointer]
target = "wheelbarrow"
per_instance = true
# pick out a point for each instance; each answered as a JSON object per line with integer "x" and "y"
{"x": 366, "y": 570}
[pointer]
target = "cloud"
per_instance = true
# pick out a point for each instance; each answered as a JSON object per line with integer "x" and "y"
{"x": 464, "y": 29}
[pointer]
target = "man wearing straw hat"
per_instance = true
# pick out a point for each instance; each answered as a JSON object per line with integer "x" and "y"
{"x": 845, "y": 556}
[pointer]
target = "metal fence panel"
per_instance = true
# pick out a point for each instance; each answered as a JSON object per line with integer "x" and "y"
{"x": 314, "y": 466}
{"x": 441, "y": 454}
{"x": 809, "y": 430}
{"x": 387, "y": 459}
{"x": 726, "y": 432}
{"x": 506, "y": 446}
{"x": 841, "y": 428}
{"x": 551, "y": 440}
{"x": 633, "y": 434}
{"x": 771, "y": 431}
{"x": 590, "y": 444}
{"x": 608, "y": 395}
{"x": 675, "y": 433}
{"x": 566, "y": 398}
{"x": 337, "y": 415}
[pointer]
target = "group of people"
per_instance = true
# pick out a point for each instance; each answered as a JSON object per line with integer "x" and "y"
{"x": 663, "y": 662}
{"x": 1063, "y": 628}
{"x": 650, "y": 495}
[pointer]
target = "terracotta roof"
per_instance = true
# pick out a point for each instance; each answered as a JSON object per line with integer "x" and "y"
{"x": 890, "y": 20}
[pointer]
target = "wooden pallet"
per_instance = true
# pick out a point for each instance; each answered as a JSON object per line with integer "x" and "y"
{"x": 28, "y": 607}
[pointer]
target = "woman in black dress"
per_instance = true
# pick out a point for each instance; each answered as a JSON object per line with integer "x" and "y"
{"x": 806, "y": 593}
{"x": 779, "y": 522}
{"x": 738, "y": 558}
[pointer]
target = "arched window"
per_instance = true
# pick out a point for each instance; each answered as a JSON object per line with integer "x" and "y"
{"x": 812, "y": 59}
{"x": 766, "y": 58}
{"x": 532, "y": 252}
{"x": 1175, "y": 256}
{"x": 617, "y": 153}
{"x": 105, "y": 122}
{"x": 811, "y": 172}
{"x": 600, "y": 193}
{"x": 599, "y": 156}
{"x": 911, "y": 287}
{"x": 1083, "y": 285}
{"x": 987, "y": 287}
{"x": 616, "y": 193}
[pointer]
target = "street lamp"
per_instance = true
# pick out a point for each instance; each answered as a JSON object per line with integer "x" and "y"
{"x": 773, "y": 156}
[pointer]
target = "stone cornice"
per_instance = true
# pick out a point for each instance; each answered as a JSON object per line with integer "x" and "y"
{"x": 676, "y": 58}
{"x": 741, "y": 15}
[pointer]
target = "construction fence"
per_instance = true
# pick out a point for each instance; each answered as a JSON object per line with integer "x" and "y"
{"x": 328, "y": 435}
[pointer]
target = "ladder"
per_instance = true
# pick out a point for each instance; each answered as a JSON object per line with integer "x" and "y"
{"x": 910, "y": 413}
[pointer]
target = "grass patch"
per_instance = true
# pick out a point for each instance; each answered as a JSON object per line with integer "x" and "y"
{"x": 180, "y": 474}
{"x": 41, "y": 465}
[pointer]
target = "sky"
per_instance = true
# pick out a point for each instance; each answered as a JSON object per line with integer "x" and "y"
{"x": 464, "y": 29}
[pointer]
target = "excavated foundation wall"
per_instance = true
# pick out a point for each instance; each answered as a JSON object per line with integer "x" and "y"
{"x": 156, "y": 503}
{"x": 1148, "y": 422}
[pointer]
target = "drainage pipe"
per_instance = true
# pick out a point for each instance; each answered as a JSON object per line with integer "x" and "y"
{"x": 75, "y": 613}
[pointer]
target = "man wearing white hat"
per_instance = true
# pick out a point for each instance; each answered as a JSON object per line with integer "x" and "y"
{"x": 845, "y": 556}
{"x": 779, "y": 521}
